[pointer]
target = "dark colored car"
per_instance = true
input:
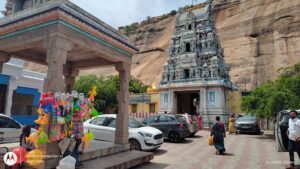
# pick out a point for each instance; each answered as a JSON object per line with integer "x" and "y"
{"x": 281, "y": 127}
{"x": 247, "y": 124}
{"x": 174, "y": 129}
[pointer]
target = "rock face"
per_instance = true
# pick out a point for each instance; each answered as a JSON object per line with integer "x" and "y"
{"x": 153, "y": 42}
{"x": 258, "y": 36}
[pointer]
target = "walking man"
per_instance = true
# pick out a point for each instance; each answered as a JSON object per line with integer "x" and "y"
{"x": 294, "y": 137}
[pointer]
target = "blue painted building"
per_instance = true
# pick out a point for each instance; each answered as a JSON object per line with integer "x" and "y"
{"x": 20, "y": 91}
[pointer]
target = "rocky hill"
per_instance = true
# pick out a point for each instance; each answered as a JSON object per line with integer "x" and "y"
{"x": 258, "y": 36}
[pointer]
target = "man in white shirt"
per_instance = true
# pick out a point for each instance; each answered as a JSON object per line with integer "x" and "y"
{"x": 294, "y": 137}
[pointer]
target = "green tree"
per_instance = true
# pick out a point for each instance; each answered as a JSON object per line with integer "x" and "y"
{"x": 271, "y": 97}
{"x": 107, "y": 90}
{"x": 137, "y": 86}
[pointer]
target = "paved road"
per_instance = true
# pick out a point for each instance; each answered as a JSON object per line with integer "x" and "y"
{"x": 244, "y": 152}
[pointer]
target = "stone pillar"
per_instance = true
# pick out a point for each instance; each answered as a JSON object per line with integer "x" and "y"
{"x": 203, "y": 100}
{"x": 57, "y": 51}
{"x": 203, "y": 107}
{"x": 121, "y": 136}
{"x": 70, "y": 78}
{"x": 173, "y": 102}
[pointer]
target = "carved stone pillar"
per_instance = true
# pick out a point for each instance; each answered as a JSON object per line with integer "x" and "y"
{"x": 70, "y": 78}
{"x": 121, "y": 136}
{"x": 57, "y": 51}
{"x": 203, "y": 107}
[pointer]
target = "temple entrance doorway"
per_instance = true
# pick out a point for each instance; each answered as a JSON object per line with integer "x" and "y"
{"x": 185, "y": 102}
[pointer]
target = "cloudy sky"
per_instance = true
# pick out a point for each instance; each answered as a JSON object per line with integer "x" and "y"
{"x": 123, "y": 12}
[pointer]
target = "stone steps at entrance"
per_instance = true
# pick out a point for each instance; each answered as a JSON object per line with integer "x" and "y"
{"x": 101, "y": 149}
{"x": 122, "y": 160}
{"x": 106, "y": 155}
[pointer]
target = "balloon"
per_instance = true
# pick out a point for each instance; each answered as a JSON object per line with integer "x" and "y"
{"x": 94, "y": 112}
{"x": 92, "y": 93}
{"x": 43, "y": 138}
{"x": 87, "y": 138}
{"x": 33, "y": 137}
{"x": 90, "y": 136}
{"x": 43, "y": 118}
{"x": 35, "y": 157}
{"x": 49, "y": 108}
{"x": 68, "y": 118}
{"x": 20, "y": 153}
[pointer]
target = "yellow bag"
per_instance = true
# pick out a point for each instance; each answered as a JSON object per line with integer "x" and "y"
{"x": 210, "y": 141}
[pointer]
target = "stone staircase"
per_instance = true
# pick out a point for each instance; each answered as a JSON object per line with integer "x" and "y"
{"x": 105, "y": 155}
{"x": 122, "y": 160}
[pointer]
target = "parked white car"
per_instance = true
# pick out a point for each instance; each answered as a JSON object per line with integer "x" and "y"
{"x": 141, "y": 137}
{"x": 10, "y": 129}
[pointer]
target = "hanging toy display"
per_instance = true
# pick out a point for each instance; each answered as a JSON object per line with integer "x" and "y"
{"x": 61, "y": 116}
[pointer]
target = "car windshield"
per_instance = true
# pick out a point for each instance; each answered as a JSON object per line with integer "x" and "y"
{"x": 181, "y": 118}
{"x": 132, "y": 123}
{"x": 246, "y": 118}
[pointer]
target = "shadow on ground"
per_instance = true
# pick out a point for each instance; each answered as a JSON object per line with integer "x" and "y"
{"x": 265, "y": 137}
{"x": 227, "y": 154}
{"x": 159, "y": 152}
{"x": 152, "y": 166}
{"x": 185, "y": 141}
{"x": 251, "y": 134}
{"x": 195, "y": 136}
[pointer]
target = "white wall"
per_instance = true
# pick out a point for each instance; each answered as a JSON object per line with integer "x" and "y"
{"x": 20, "y": 78}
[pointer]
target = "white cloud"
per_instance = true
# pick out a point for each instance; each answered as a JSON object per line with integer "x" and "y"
{"x": 123, "y": 12}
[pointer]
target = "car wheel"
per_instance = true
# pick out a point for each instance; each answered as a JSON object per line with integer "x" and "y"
{"x": 174, "y": 137}
{"x": 258, "y": 132}
{"x": 192, "y": 134}
{"x": 134, "y": 145}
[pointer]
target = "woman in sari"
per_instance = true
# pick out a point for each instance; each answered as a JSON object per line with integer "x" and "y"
{"x": 231, "y": 124}
{"x": 218, "y": 132}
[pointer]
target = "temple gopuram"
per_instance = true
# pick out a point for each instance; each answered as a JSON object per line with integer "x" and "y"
{"x": 195, "y": 78}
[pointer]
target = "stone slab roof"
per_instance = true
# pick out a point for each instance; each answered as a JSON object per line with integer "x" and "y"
{"x": 72, "y": 10}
